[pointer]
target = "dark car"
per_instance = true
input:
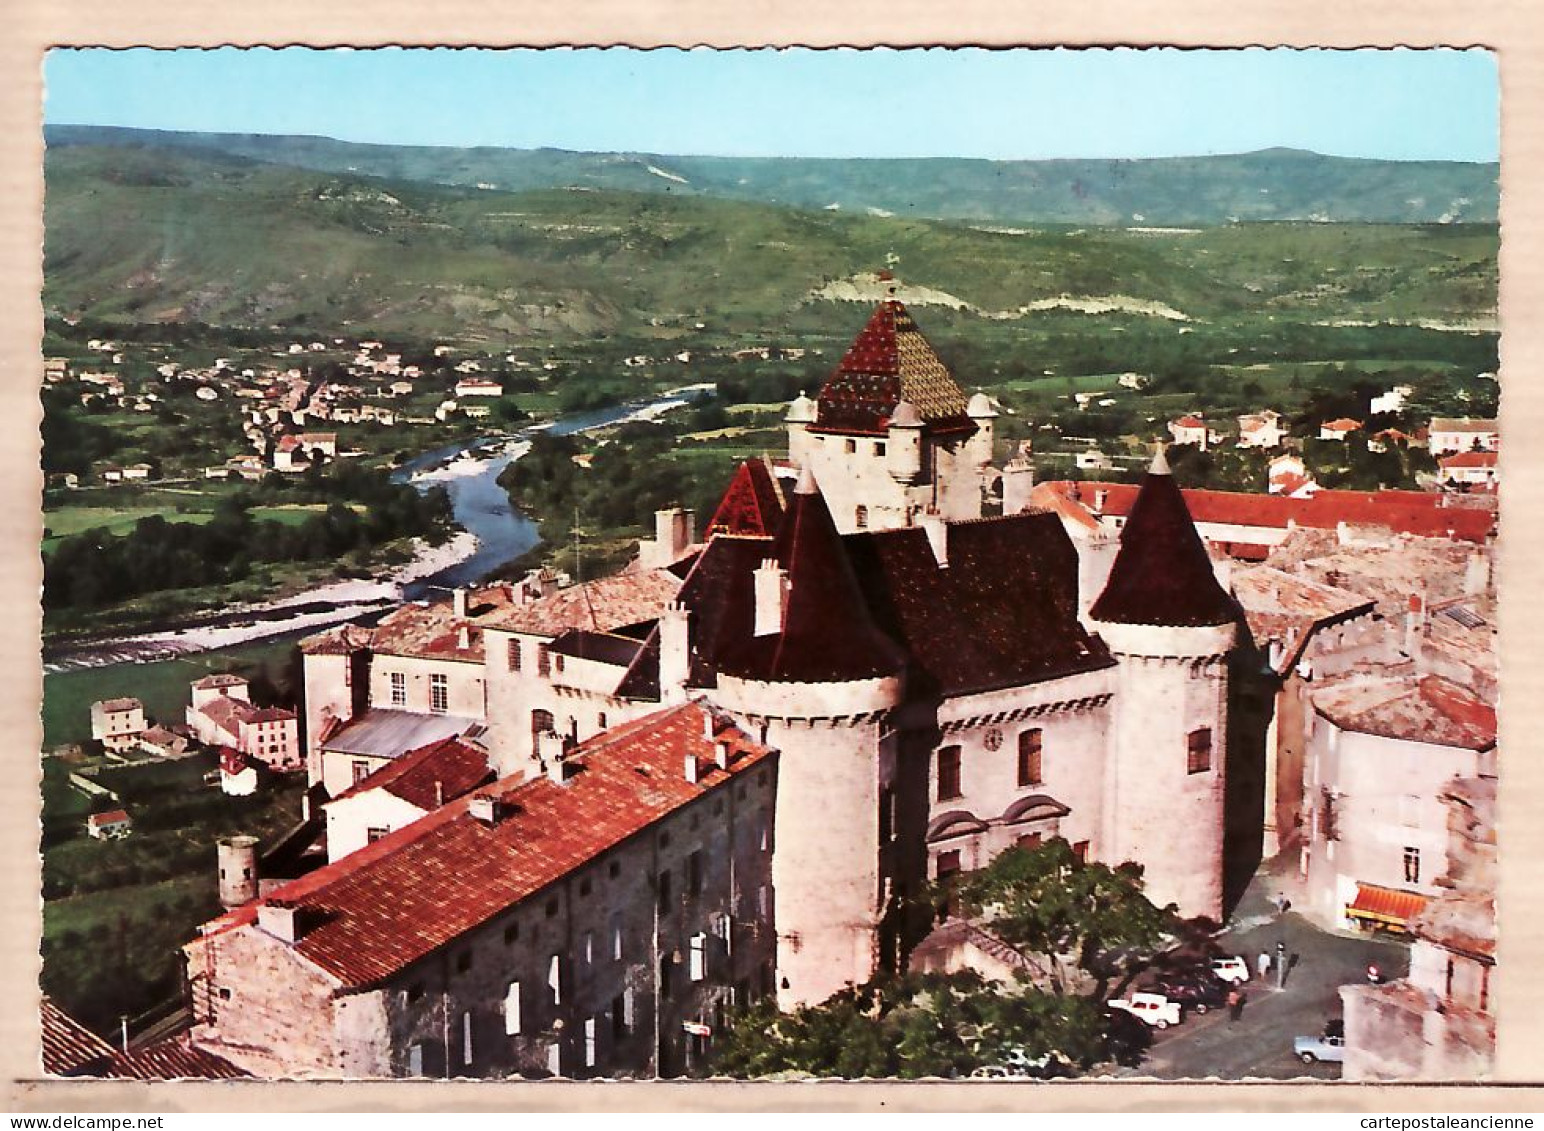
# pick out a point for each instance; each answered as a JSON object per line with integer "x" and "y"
{"x": 1197, "y": 992}
{"x": 1125, "y": 1038}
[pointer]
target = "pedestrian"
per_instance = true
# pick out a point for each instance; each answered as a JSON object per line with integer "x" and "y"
{"x": 1281, "y": 965}
{"x": 1263, "y": 963}
{"x": 1235, "y": 1005}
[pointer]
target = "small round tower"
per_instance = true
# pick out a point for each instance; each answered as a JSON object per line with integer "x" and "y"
{"x": 818, "y": 679}
{"x": 1171, "y": 627}
{"x": 238, "y": 870}
{"x": 903, "y": 455}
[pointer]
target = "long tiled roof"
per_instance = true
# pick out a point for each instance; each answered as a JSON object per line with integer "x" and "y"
{"x": 429, "y": 776}
{"x": 1161, "y": 574}
{"x": 173, "y": 1059}
{"x": 385, "y": 733}
{"x": 1416, "y": 709}
{"x": 1425, "y": 513}
{"x": 1284, "y": 607}
{"x": 889, "y": 362}
{"x": 622, "y": 600}
{"x": 394, "y": 902}
{"x": 69, "y": 1048}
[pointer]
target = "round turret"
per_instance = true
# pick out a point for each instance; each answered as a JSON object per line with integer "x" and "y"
{"x": 981, "y": 408}
{"x": 801, "y": 411}
{"x": 238, "y": 870}
{"x": 905, "y": 416}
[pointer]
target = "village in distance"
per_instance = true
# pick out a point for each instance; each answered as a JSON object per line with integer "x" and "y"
{"x": 651, "y": 634}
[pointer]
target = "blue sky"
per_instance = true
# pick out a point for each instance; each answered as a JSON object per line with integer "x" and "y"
{"x": 1399, "y": 104}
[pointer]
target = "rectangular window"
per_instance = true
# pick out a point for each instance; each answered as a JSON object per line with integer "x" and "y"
{"x": 1029, "y": 841}
{"x": 1029, "y": 757}
{"x": 860, "y": 517}
{"x": 1080, "y": 851}
{"x": 512, "y": 1009}
{"x": 616, "y": 937}
{"x": 555, "y": 978}
{"x": 886, "y": 815}
{"x": 664, "y": 891}
{"x": 1200, "y": 751}
{"x": 466, "y": 1038}
{"x": 694, "y": 874}
{"x": 398, "y": 689}
{"x": 948, "y": 773}
{"x": 879, "y": 447}
{"x": 619, "y": 1011}
{"x": 555, "y": 1059}
{"x": 587, "y": 947}
{"x": 361, "y": 770}
{"x": 514, "y": 655}
{"x": 589, "y": 1042}
{"x": 1412, "y": 865}
{"x": 373, "y": 835}
{"x": 852, "y": 447}
{"x": 948, "y": 864}
{"x": 699, "y": 957}
{"x": 543, "y": 661}
{"x": 439, "y": 694}
{"x": 666, "y": 968}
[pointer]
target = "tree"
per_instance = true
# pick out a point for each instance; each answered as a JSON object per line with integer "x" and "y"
{"x": 1046, "y": 901}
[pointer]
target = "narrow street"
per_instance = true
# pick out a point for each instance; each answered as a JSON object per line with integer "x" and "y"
{"x": 1259, "y": 1043}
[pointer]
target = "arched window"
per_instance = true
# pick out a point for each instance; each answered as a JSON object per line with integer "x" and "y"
{"x": 1029, "y": 757}
{"x": 1200, "y": 751}
{"x": 542, "y": 723}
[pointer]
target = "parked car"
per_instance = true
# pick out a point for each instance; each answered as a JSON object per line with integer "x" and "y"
{"x": 1230, "y": 968}
{"x": 1155, "y": 1009}
{"x": 1199, "y": 991}
{"x": 1330, "y": 1046}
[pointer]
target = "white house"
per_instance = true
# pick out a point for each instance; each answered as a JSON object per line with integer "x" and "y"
{"x": 402, "y": 791}
{"x": 1470, "y": 469}
{"x": 117, "y": 723}
{"x": 1339, "y": 429}
{"x": 1453, "y": 434}
{"x": 1260, "y": 429}
{"x": 1189, "y": 430}
{"x": 1393, "y": 400}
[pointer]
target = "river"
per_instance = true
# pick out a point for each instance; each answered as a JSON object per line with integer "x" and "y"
{"x": 491, "y": 533}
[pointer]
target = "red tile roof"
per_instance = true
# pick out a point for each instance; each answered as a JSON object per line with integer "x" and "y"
{"x": 1344, "y": 424}
{"x": 429, "y": 776}
{"x": 1429, "y": 709}
{"x": 396, "y": 901}
{"x": 1162, "y": 575}
{"x": 889, "y": 362}
{"x": 1469, "y": 459}
{"x": 753, "y": 504}
{"x": 69, "y": 1048}
{"x": 111, "y": 817}
{"x": 211, "y": 682}
{"x": 173, "y": 1059}
{"x": 1389, "y": 906}
{"x": 1422, "y": 513}
{"x": 115, "y": 706}
{"x": 622, "y": 600}
{"x": 1190, "y": 422}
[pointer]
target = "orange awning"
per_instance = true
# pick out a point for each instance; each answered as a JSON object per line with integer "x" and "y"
{"x": 1388, "y": 906}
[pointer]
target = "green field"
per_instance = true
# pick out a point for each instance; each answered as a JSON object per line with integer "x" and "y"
{"x": 162, "y": 686}
{"x": 62, "y": 522}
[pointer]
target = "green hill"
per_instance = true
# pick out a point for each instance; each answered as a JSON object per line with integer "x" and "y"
{"x": 1272, "y": 184}
{"x": 147, "y": 235}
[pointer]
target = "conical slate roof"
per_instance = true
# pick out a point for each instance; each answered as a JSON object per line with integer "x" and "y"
{"x": 1161, "y": 574}
{"x": 828, "y": 634}
{"x": 752, "y": 506}
{"x": 889, "y": 362}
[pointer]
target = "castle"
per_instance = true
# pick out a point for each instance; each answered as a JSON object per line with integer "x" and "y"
{"x": 725, "y": 771}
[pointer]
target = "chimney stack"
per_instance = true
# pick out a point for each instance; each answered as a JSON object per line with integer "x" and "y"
{"x": 463, "y": 638}
{"x": 721, "y": 755}
{"x": 690, "y": 767}
{"x": 458, "y": 603}
{"x": 1477, "y": 573}
{"x": 675, "y": 658}
{"x": 937, "y": 535}
{"x": 771, "y": 597}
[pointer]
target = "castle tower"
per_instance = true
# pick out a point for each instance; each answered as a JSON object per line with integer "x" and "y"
{"x": 1171, "y": 627}
{"x": 891, "y": 434}
{"x": 818, "y": 678}
{"x": 238, "y": 870}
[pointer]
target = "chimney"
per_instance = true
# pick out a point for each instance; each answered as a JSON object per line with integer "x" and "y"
{"x": 550, "y": 748}
{"x": 938, "y": 536}
{"x": 674, "y": 652}
{"x": 439, "y": 794}
{"x": 463, "y": 638}
{"x": 1100, "y": 496}
{"x": 690, "y": 766}
{"x": 282, "y": 919}
{"x": 1477, "y": 573}
{"x": 721, "y": 755}
{"x": 1415, "y": 625}
{"x": 771, "y": 597}
{"x": 458, "y": 604}
{"x": 709, "y": 724}
{"x": 484, "y": 809}
{"x": 1018, "y": 481}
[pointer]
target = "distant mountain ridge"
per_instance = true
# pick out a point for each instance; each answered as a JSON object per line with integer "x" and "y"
{"x": 1267, "y": 185}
